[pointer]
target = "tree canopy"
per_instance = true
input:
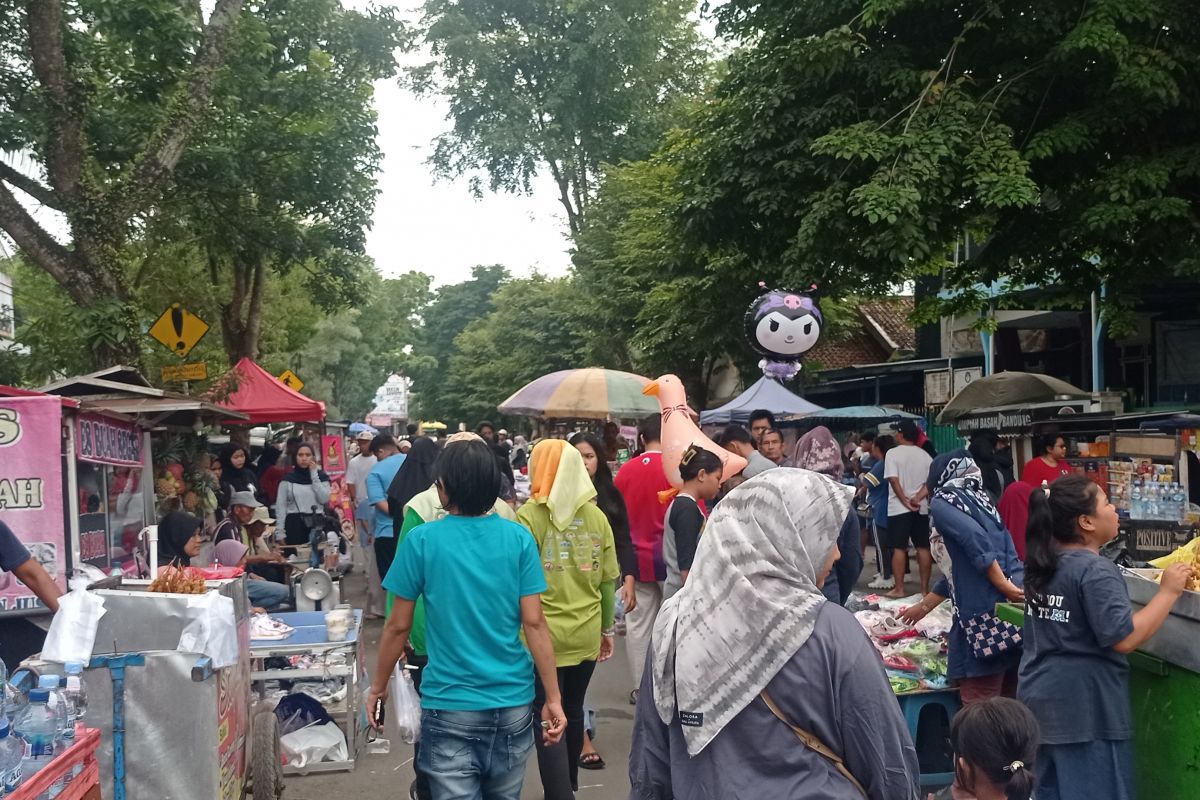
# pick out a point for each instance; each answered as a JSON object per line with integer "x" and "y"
{"x": 539, "y": 85}
{"x": 855, "y": 142}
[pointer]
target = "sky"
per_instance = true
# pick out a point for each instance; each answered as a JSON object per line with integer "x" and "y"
{"x": 437, "y": 226}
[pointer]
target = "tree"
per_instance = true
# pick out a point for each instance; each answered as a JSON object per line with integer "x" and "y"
{"x": 106, "y": 104}
{"x": 655, "y": 307}
{"x": 454, "y": 307}
{"x": 565, "y": 87}
{"x": 855, "y": 143}
{"x": 283, "y": 176}
{"x": 537, "y": 327}
{"x": 353, "y": 352}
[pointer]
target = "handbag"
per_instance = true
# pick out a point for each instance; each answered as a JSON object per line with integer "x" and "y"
{"x": 811, "y": 741}
{"x": 990, "y": 636}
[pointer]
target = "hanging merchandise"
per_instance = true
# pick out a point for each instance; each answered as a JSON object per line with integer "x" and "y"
{"x": 782, "y": 326}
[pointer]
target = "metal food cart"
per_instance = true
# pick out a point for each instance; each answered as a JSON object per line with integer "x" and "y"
{"x": 189, "y": 730}
{"x": 330, "y": 659}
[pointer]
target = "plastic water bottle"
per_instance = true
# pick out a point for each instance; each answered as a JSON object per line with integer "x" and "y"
{"x": 1136, "y": 509}
{"x": 58, "y": 704}
{"x": 37, "y": 728}
{"x": 12, "y": 752}
{"x": 1179, "y": 501}
{"x": 75, "y": 693}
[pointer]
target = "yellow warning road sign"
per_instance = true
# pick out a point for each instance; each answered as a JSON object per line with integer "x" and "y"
{"x": 178, "y": 330}
{"x": 291, "y": 380}
{"x": 186, "y": 372}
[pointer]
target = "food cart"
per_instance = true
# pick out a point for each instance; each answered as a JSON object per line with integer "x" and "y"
{"x": 187, "y": 729}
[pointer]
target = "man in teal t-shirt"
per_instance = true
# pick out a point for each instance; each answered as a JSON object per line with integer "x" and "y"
{"x": 481, "y": 579}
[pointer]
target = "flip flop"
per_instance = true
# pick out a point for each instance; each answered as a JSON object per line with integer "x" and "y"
{"x": 591, "y": 761}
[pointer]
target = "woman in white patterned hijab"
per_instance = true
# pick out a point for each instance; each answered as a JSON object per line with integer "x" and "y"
{"x": 751, "y": 622}
{"x": 751, "y": 599}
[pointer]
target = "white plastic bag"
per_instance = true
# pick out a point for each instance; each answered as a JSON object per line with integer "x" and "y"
{"x": 211, "y": 629}
{"x": 406, "y": 704}
{"x": 314, "y": 744}
{"x": 73, "y": 630}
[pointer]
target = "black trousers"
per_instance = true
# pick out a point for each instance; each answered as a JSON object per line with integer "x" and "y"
{"x": 559, "y": 764}
{"x": 385, "y": 554}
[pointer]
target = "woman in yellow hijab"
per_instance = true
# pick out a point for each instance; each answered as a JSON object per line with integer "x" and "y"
{"x": 580, "y": 561}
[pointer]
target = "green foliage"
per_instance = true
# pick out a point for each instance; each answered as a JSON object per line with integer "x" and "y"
{"x": 538, "y": 326}
{"x": 539, "y": 85}
{"x": 351, "y": 353}
{"x": 453, "y": 308}
{"x": 854, "y": 142}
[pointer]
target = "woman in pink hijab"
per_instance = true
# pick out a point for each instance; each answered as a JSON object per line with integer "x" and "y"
{"x": 819, "y": 451}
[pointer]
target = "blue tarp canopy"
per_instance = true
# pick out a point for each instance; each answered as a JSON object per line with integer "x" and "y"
{"x": 855, "y": 415}
{"x": 766, "y": 393}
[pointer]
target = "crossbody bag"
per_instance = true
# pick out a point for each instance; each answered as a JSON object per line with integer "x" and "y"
{"x": 811, "y": 741}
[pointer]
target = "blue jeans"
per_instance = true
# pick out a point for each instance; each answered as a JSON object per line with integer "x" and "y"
{"x": 266, "y": 594}
{"x": 476, "y": 755}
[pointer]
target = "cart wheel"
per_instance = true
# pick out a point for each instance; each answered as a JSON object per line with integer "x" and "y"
{"x": 266, "y": 770}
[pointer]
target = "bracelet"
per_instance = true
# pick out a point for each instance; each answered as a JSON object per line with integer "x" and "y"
{"x": 609, "y": 633}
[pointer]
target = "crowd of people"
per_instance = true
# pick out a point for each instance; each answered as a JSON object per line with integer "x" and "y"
{"x": 502, "y": 567}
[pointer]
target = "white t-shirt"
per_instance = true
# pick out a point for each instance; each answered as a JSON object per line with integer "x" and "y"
{"x": 910, "y": 464}
{"x": 357, "y": 471}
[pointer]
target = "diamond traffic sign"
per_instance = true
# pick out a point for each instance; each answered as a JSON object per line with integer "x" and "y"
{"x": 178, "y": 330}
{"x": 291, "y": 380}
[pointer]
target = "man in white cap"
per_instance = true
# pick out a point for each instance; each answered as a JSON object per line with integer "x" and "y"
{"x": 356, "y": 482}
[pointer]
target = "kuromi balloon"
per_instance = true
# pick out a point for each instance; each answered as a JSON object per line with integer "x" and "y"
{"x": 782, "y": 326}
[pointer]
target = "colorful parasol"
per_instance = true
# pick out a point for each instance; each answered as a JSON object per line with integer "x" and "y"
{"x": 583, "y": 394}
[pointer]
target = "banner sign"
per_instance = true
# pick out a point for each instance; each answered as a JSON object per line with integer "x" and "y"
{"x": 93, "y": 539}
{"x": 103, "y": 440}
{"x": 333, "y": 455}
{"x": 31, "y": 490}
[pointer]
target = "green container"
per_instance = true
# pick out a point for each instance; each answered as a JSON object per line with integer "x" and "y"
{"x": 1166, "y": 722}
{"x": 1166, "y": 727}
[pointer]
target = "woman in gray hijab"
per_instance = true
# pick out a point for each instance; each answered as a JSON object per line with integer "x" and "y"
{"x": 756, "y": 686}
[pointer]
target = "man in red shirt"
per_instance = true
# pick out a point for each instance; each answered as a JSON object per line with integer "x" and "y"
{"x": 640, "y": 481}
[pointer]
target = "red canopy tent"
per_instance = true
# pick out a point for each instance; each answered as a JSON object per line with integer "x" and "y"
{"x": 264, "y": 398}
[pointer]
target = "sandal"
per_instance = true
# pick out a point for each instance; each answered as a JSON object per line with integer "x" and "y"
{"x": 591, "y": 761}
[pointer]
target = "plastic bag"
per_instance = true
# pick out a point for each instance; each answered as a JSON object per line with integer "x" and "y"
{"x": 406, "y": 704}
{"x": 73, "y": 630}
{"x": 211, "y": 629}
{"x": 314, "y": 744}
{"x": 299, "y": 710}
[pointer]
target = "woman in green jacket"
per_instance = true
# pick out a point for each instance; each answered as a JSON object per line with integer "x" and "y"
{"x": 580, "y": 561}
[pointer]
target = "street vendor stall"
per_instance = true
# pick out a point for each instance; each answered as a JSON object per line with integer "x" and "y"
{"x": 168, "y": 686}
{"x": 305, "y": 652}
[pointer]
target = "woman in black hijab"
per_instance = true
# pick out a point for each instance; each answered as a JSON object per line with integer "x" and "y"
{"x": 415, "y": 476}
{"x": 236, "y": 474}
{"x": 178, "y": 538}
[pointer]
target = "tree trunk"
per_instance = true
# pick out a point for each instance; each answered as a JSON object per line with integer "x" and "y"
{"x": 241, "y": 317}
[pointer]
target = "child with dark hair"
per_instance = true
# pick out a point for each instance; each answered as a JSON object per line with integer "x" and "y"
{"x": 481, "y": 579}
{"x": 995, "y": 742}
{"x": 1078, "y": 627}
{"x": 701, "y": 473}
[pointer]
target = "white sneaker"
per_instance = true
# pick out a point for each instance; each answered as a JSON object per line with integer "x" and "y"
{"x": 880, "y": 582}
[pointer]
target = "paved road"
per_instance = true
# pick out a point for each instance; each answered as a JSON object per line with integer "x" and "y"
{"x": 387, "y": 777}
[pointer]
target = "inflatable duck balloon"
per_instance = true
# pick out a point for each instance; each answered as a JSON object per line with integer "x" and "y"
{"x": 679, "y": 431}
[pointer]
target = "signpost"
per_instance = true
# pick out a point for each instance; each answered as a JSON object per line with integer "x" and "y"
{"x": 291, "y": 380}
{"x": 185, "y": 372}
{"x": 178, "y": 330}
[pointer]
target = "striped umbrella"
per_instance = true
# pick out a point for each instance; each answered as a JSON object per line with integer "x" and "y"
{"x": 583, "y": 394}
